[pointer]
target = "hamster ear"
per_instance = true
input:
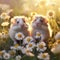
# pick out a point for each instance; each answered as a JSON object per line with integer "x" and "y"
{"x": 45, "y": 21}
{"x": 24, "y": 19}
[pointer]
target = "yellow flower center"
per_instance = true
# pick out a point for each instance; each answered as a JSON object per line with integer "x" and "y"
{"x": 7, "y": 17}
{"x": 44, "y": 56}
{"x": 3, "y": 14}
{"x": 19, "y": 35}
{"x": 38, "y": 34}
{"x": 16, "y": 45}
{"x": 50, "y": 13}
{"x": 12, "y": 53}
{"x": 41, "y": 46}
{"x": 30, "y": 45}
{"x": 28, "y": 39}
{"x": 1, "y": 53}
{"x": 27, "y": 51}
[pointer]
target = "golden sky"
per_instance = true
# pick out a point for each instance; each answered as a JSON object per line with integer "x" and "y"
{"x": 26, "y": 6}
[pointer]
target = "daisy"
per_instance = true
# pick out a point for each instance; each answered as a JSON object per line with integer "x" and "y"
{"x": 19, "y": 36}
{"x": 7, "y": 18}
{"x": 12, "y": 52}
{"x": 14, "y": 47}
{"x": 41, "y": 46}
{"x": 43, "y": 56}
{"x": 57, "y": 36}
{"x": 23, "y": 50}
{"x": 30, "y": 46}
{"x": 38, "y": 35}
{"x": 18, "y": 57}
{"x": 3, "y": 15}
{"x": 50, "y": 14}
{"x": 4, "y": 35}
{"x": 5, "y": 24}
{"x": 1, "y": 53}
{"x": 19, "y": 48}
{"x": 56, "y": 47}
{"x": 6, "y": 56}
{"x": 26, "y": 51}
{"x": 29, "y": 53}
{"x": 4, "y": 51}
{"x": 27, "y": 40}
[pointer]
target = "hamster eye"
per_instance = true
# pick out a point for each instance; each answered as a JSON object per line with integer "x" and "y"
{"x": 41, "y": 20}
{"x": 17, "y": 22}
{"x": 24, "y": 21}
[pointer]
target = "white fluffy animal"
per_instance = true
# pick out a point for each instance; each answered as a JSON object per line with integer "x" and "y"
{"x": 40, "y": 24}
{"x": 18, "y": 25}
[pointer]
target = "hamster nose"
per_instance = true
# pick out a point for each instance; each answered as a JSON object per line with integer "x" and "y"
{"x": 17, "y": 22}
{"x": 38, "y": 24}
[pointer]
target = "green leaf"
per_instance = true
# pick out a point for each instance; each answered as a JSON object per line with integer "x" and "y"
{"x": 28, "y": 58}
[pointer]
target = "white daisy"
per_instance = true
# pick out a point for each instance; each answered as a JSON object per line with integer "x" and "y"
{"x": 43, "y": 56}
{"x": 14, "y": 47}
{"x": 5, "y": 24}
{"x": 1, "y": 53}
{"x": 18, "y": 57}
{"x": 38, "y": 35}
{"x": 27, "y": 40}
{"x": 7, "y": 18}
{"x": 3, "y": 15}
{"x": 56, "y": 47}
{"x": 6, "y": 56}
{"x": 30, "y": 46}
{"x": 26, "y": 51}
{"x": 19, "y": 47}
{"x": 23, "y": 50}
{"x": 12, "y": 52}
{"x": 57, "y": 36}
{"x": 19, "y": 36}
{"x": 50, "y": 14}
{"x": 29, "y": 53}
{"x": 41, "y": 46}
{"x": 4, "y": 35}
{"x": 4, "y": 51}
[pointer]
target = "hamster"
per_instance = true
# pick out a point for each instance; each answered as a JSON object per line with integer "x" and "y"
{"x": 40, "y": 24}
{"x": 18, "y": 25}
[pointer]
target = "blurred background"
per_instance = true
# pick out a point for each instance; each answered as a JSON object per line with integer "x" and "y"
{"x": 25, "y": 7}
